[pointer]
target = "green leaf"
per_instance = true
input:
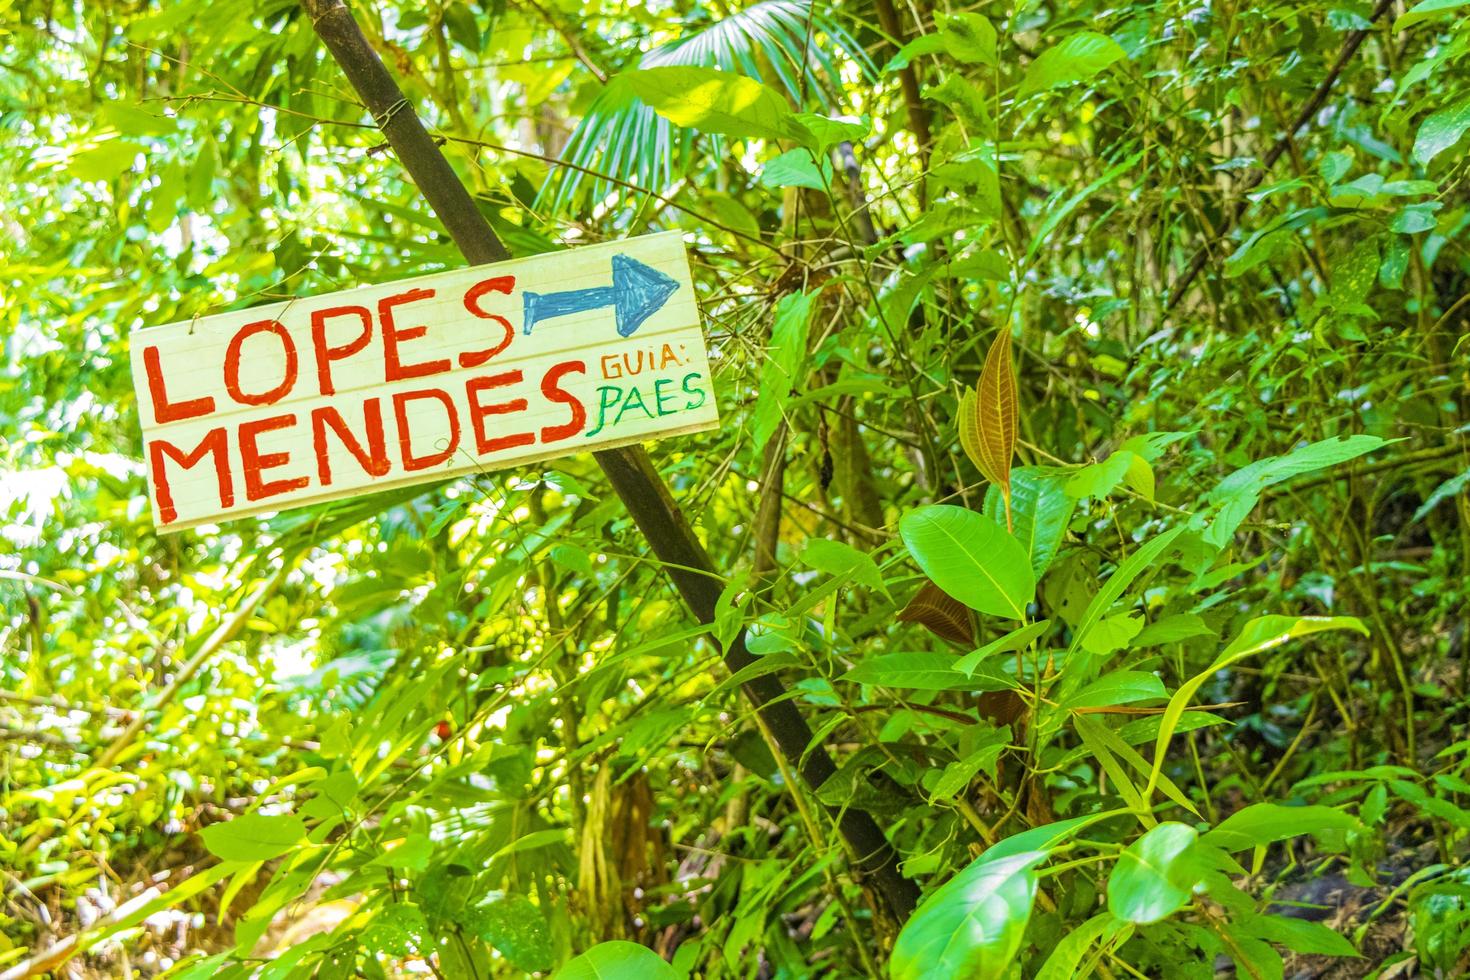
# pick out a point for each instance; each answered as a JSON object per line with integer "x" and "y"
{"x": 1065, "y": 960}
{"x": 1119, "y": 687}
{"x": 1047, "y": 836}
{"x": 1171, "y": 629}
{"x": 1014, "y": 640}
{"x": 714, "y": 101}
{"x": 972, "y": 925}
{"x": 516, "y": 927}
{"x": 1415, "y": 219}
{"x": 780, "y": 373}
{"x": 826, "y": 132}
{"x": 1441, "y": 130}
{"x": 1040, "y": 511}
{"x": 838, "y": 558}
{"x": 924, "y": 670}
{"x": 1145, "y": 884}
{"x": 1297, "y": 935}
{"x": 1257, "y": 636}
{"x": 921, "y": 45}
{"x": 796, "y": 168}
{"x": 617, "y": 960}
{"x": 1113, "y": 633}
{"x": 971, "y": 558}
{"x": 968, "y": 37}
{"x": 1452, "y": 487}
{"x": 1265, "y": 823}
{"x": 398, "y": 930}
{"x": 104, "y": 161}
{"x": 532, "y": 841}
{"x": 1236, "y": 495}
{"x": 1265, "y": 632}
{"x": 1099, "y": 479}
{"x": 254, "y": 836}
{"x": 1143, "y": 558}
{"x": 1424, "y": 11}
{"x": 1075, "y": 59}
{"x": 1334, "y": 166}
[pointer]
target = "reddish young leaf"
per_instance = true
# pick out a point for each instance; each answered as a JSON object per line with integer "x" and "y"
{"x": 945, "y": 617}
{"x": 988, "y": 419}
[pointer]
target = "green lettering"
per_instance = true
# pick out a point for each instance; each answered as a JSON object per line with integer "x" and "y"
{"x": 628, "y": 399}
{"x": 693, "y": 391}
{"x": 659, "y": 396}
{"x": 604, "y": 402}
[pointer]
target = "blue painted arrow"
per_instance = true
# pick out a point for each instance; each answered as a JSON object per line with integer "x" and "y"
{"x": 636, "y": 293}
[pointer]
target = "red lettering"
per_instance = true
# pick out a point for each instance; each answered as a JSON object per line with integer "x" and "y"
{"x": 484, "y": 443}
{"x": 326, "y": 355}
{"x": 555, "y": 393}
{"x": 213, "y": 442}
{"x": 498, "y": 284}
{"x": 254, "y": 462}
{"x": 400, "y": 412}
{"x": 163, "y": 409}
{"x": 232, "y": 364}
{"x": 393, "y": 368}
{"x": 374, "y": 461}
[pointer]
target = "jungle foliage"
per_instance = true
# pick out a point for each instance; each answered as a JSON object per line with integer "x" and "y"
{"x": 1093, "y": 476}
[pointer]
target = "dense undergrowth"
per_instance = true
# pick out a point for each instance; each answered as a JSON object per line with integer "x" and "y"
{"x": 1093, "y": 474}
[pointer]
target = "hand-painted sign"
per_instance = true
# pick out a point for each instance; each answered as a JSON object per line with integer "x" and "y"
{"x": 408, "y": 382}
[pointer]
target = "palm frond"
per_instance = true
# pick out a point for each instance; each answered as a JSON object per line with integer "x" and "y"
{"x": 783, "y": 43}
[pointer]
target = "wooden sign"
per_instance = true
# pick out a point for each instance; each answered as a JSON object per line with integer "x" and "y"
{"x": 409, "y": 382}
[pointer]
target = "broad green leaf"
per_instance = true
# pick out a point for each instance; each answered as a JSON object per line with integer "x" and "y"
{"x": 1424, "y": 11}
{"x": 1014, "y": 640}
{"x": 1119, "y": 687}
{"x": 517, "y": 928}
{"x": 1098, "y": 479}
{"x": 1040, "y": 511}
{"x": 780, "y": 373}
{"x": 968, "y": 37}
{"x": 826, "y": 132}
{"x": 532, "y": 841}
{"x": 839, "y": 558}
{"x": 1112, "y": 633}
{"x": 104, "y": 160}
{"x": 796, "y": 168}
{"x": 921, "y": 45}
{"x": 924, "y": 670}
{"x": 1171, "y": 629}
{"x": 1297, "y": 935}
{"x": 1145, "y": 884}
{"x": 970, "y": 557}
{"x": 1441, "y": 130}
{"x": 1236, "y": 495}
{"x": 1415, "y": 219}
{"x": 617, "y": 960}
{"x": 972, "y": 925}
{"x": 254, "y": 836}
{"x": 1047, "y": 836}
{"x": 1265, "y": 823}
{"x": 1334, "y": 166}
{"x": 713, "y": 101}
{"x": 1075, "y": 59}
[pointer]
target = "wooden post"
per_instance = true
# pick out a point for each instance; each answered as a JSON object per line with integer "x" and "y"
{"x": 629, "y": 470}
